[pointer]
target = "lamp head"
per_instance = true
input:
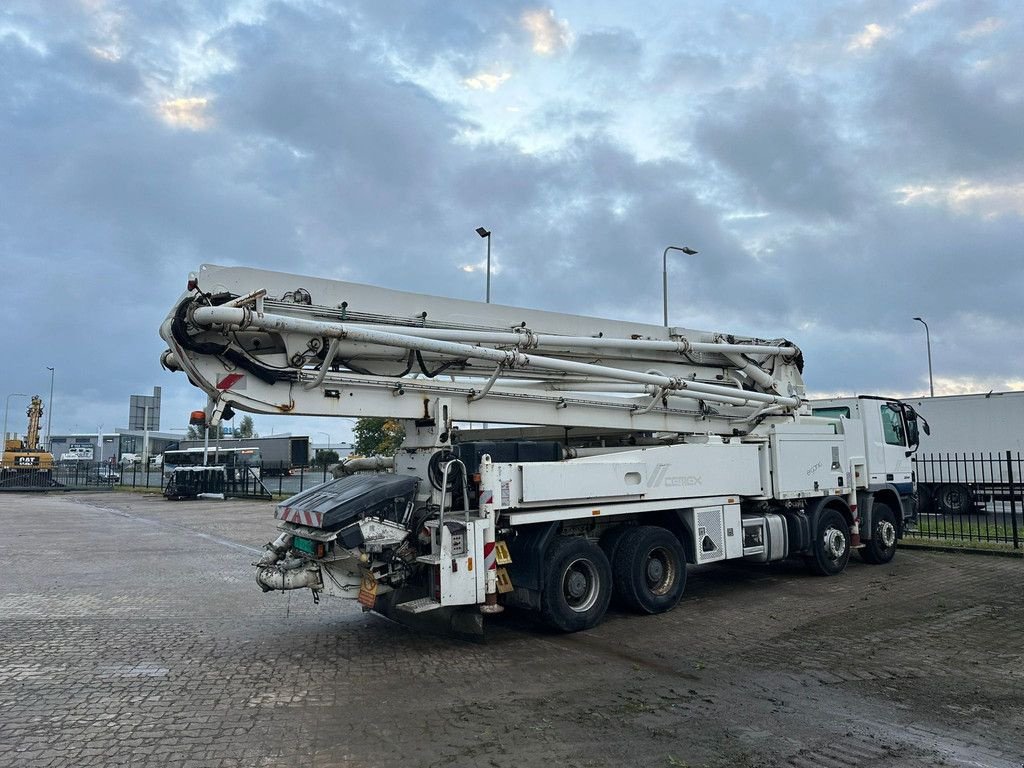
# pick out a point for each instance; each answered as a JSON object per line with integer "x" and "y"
{"x": 482, "y": 232}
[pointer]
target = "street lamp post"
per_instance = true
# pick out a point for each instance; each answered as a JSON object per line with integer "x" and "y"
{"x": 7, "y": 407}
{"x": 145, "y": 435}
{"x": 928, "y": 340}
{"x": 49, "y": 412}
{"x": 484, "y": 233}
{"x": 664, "y": 274}
{"x": 328, "y": 439}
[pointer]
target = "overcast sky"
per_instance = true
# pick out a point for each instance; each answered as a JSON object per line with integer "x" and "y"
{"x": 840, "y": 169}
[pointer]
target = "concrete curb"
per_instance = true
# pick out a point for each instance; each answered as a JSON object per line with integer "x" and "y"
{"x": 961, "y": 550}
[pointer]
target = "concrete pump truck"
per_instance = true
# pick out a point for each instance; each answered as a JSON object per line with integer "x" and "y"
{"x": 627, "y": 451}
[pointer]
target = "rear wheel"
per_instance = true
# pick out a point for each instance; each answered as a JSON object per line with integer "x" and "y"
{"x": 881, "y": 547}
{"x": 830, "y": 549}
{"x": 954, "y": 499}
{"x": 577, "y": 584}
{"x": 649, "y": 570}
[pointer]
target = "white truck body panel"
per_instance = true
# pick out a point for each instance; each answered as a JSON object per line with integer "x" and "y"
{"x": 973, "y": 423}
{"x": 808, "y": 460}
{"x": 970, "y": 436}
{"x": 665, "y": 472}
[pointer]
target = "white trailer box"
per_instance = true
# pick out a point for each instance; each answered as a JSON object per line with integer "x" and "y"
{"x": 962, "y": 464}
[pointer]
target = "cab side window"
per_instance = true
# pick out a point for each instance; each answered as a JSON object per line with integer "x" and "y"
{"x": 892, "y": 426}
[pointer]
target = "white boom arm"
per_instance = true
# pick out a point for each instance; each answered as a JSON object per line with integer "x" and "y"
{"x": 269, "y": 342}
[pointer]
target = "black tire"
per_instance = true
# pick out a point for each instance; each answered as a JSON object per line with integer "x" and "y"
{"x": 649, "y": 570}
{"x": 830, "y": 549}
{"x": 954, "y": 499}
{"x": 881, "y": 547}
{"x": 577, "y": 584}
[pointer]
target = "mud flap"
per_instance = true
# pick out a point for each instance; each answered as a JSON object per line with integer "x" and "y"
{"x": 462, "y": 621}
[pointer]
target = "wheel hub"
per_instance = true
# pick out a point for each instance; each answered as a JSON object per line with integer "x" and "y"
{"x": 835, "y": 543}
{"x": 581, "y": 585}
{"x": 887, "y": 533}
{"x": 655, "y": 570}
{"x": 576, "y": 585}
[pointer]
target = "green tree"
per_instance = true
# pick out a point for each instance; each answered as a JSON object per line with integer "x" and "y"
{"x": 245, "y": 428}
{"x": 196, "y": 432}
{"x": 377, "y": 437}
{"x": 325, "y": 458}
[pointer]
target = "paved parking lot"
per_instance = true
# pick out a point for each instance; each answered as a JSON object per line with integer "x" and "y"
{"x": 132, "y": 633}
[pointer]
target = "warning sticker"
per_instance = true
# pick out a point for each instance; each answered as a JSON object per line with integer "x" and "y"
{"x": 503, "y": 556}
{"x": 504, "y": 582}
{"x": 506, "y": 492}
{"x": 368, "y": 590}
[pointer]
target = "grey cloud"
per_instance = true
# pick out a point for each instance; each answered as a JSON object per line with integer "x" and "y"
{"x": 936, "y": 112}
{"x": 781, "y": 145}
{"x": 619, "y": 51}
{"x": 689, "y": 70}
{"x": 320, "y": 159}
{"x": 424, "y": 32}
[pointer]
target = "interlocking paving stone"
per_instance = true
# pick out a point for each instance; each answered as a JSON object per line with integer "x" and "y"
{"x": 132, "y": 633}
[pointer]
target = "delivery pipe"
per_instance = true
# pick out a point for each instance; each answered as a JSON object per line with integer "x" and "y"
{"x": 349, "y": 466}
{"x": 527, "y": 339}
{"x": 746, "y": 367}
{"x": 244, "y": 318}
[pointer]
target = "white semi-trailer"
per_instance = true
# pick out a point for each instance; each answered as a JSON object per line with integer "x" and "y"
{"x": 631, "y": 451}
{"x": 963, "y": 463}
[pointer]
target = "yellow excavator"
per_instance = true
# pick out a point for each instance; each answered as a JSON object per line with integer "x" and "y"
{"x": 24, "y": 462}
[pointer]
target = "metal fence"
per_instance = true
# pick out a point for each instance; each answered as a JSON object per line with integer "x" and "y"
{"x": 964, "y": 497}
{"x": 972, "y": 497}
{"x": 279, "y": 479}
{"x": 64, "y": 475}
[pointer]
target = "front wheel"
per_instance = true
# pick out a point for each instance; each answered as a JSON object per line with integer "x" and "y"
{"x": 577, "y": 585}
{"x": 650, "y": 570}
{"x": 830, "y": 550}
{"x": 881, "y": 547}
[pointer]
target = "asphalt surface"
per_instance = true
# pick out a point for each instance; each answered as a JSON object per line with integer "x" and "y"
{"x": 132, "y": 633}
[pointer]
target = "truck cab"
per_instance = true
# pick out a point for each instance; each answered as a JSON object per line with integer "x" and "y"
{"x": 891, "y": 437}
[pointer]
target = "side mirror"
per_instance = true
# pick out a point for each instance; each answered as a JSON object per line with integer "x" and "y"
{"x": 913, "y": 437}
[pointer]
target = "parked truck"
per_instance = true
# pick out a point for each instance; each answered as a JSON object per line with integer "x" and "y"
{"x": 629, "y": 451}
{"x": 280, "y": 454}
{"x": 963, "y": 465}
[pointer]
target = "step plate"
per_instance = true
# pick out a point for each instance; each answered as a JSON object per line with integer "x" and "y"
{"x": 422, "y": 605}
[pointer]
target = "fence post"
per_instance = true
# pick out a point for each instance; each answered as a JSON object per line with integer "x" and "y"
{"x": 1013, "y": 499}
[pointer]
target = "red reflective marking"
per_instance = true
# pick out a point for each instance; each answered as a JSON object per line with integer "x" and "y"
{"x": 229, "y": 381}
